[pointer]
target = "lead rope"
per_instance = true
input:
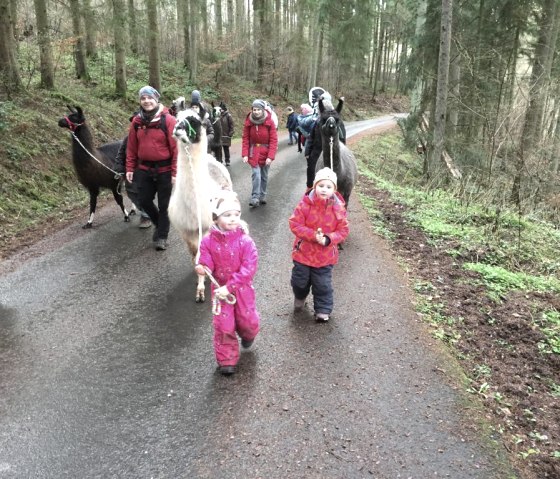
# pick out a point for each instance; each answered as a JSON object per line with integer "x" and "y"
{"x": 331, "y": 144}
{"x": 216, "y": 302}
{"x": 117, "y": 176}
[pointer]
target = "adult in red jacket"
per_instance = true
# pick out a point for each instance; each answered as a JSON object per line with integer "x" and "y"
{"x": 258, "y": 148}
{"x": 151, "y": 159}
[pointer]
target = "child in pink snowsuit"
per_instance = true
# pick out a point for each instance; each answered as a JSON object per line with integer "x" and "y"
{"x": 231, "y": 255}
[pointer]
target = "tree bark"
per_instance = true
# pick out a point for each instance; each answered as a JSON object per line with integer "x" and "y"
{"x": 9, "y": 71}
{"x": 44, "y": 41}
{"x": 79, "y": 50}
{"x": 90, "y": 29}
{"x": 119, "y": 25}
{"x": 132, "y": 28}
{"x": 435, "y": 153}
{"x": 153, "y": 45}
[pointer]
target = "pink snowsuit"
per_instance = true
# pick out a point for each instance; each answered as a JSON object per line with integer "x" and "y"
{"x": 232, "y": 257}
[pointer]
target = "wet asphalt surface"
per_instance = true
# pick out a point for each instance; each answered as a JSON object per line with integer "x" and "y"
{"x": 107, "y": 367}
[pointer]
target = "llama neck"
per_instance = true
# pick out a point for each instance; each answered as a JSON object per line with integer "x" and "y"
{"x": 331, "y": 151}
{"x": 84, "y": 136}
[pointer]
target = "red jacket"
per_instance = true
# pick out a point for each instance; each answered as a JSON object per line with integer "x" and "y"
{"x": 310, "y": 214}
{"x": 259, "y": 142}
{"x": 147, "y": 142}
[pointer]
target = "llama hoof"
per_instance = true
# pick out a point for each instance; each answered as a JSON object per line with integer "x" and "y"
{"x": 131, "y": 212}
{"x": 200, "y": 298}
{"x": 87, "y": 226}
{"x": 127, "y": 219}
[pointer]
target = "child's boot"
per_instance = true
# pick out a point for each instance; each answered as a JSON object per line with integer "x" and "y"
{"x": 298, "y": 304}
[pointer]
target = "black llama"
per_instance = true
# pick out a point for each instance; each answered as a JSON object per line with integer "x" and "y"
{"x": 95, "y": 167}
{"x": 336, "y": 154}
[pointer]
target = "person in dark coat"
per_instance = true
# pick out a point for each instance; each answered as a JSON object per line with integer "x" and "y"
{"x": 226, "y": 121}
{"x": 291, "y": 125}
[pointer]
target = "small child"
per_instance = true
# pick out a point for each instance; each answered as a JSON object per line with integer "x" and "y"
{"x": 320, "y": 224}
{"x": 231, "y": 256}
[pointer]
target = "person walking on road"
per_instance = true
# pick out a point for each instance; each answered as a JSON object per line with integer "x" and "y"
{"x": 258, "y": 148}
{"x": 320, "y": 224}
{"x": 291, "y": 125}
{"x": 151, "y": 160}
{"x": 226, "y": 121}
{"x": 231, "y": 256}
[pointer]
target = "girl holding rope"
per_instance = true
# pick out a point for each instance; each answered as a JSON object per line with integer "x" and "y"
{"x": 230, "y": 255}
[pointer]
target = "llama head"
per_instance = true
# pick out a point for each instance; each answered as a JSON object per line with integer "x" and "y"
{"x": 329, "y": 118}
{"x": 216, "y": 112}
{"x": 74, "y": 120}
{"x": 189, "y": 125}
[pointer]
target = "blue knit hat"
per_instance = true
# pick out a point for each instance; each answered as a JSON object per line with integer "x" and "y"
{"x": 149, "y": 91}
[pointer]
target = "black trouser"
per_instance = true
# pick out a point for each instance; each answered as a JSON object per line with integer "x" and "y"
{"x": 149, "y": 183}
{"x": 226, "y": 153}
{"x": 318, "y": 281}
{"x": 311, "y": 164}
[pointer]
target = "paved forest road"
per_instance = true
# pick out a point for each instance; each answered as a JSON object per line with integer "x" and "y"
{"x": 107, "y": 368}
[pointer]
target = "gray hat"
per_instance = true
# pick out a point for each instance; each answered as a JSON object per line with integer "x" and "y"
{"x": 259, "y": 104}
{"x": 196, "y": 98}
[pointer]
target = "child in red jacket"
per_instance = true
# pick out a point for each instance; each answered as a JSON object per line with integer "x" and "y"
{"x": 320, "y": 224}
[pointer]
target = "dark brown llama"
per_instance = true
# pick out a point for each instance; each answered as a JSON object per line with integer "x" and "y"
{"x": 95, "y": 167}
{"x": 336, "y": 154}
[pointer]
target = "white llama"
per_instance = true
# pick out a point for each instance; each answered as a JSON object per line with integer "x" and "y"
{"x": 200, "y": 178}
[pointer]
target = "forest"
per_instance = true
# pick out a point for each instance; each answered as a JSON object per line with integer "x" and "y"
{"x": 478, "y": 79}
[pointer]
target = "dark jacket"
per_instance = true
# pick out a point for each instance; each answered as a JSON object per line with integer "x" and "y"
{"x": 292, "y": 122}
{"x": 226, "y": 120}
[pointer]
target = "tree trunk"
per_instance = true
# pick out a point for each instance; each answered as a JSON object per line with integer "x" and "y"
{"x": 218, "y": 18}
{"x": 9, "y": 72}
{"x": 258, "y": 43}
{"x": 119, "y": 25}
{"x": 435, "y": 153}
{"x": 193, "y": 39}
{"x": 540, "y": 74}
{"x": 44, "y": 41}
{"x": 153, "y": 45}
{"x": 132, "y": 29}
{"x": 90, "y": 28}
{"x": 79, "y": 49}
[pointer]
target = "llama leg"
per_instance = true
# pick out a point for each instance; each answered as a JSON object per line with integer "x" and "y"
{"x": 119, "y": 199}
{"x": 200, "y": 296}
{"x": 93, "y": 193}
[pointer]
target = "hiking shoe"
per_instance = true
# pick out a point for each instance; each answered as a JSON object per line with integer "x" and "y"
{"x": 144, "y": 223}
{"x": 228, "y": 163}
{"x": 298, "y": 304}
{"x": 161, "y": 244}
{"x": 227, "y": 370}
{"x": 322, "y": 317}
{"x": 247, "y": 343}
{"x": 263, "y": 201}
{"x": 254, "y": 203}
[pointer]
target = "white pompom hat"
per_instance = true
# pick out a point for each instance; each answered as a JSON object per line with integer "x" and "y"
{"x": 228, "y": 201}
{"x": 325, "y": 174}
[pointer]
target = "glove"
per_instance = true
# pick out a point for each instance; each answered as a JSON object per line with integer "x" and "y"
{"x": 222, "y": 292}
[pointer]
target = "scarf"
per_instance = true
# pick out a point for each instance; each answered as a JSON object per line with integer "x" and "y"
{"x": 257, "y": 121}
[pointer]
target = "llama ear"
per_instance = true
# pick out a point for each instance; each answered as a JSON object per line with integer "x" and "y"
{"x": 72, "y": 110}
{"x": 321, "y": 106}
{"x": 79, "y": 111}
{"x": 340, "y": 104}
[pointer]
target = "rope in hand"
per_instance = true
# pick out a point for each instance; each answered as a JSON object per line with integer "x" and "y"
{"x": 216, "y": 301}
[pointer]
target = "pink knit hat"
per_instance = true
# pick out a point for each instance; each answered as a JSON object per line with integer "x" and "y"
{"x": 306, "y": 109}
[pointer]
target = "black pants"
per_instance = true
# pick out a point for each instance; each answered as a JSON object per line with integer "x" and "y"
{"x": 311, "y": 164}
{"x": 149, "y": 183}
{"x": 318, "y": 281}
{"x": 226, "y": 153}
